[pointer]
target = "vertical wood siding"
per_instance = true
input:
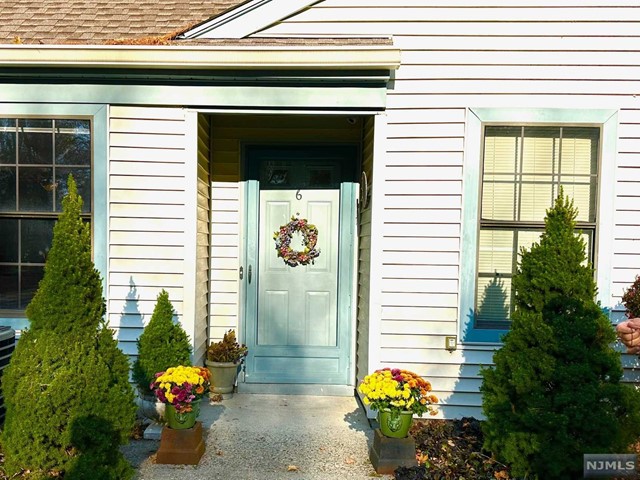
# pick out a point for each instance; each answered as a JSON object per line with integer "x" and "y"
{"x": 459, "y": 54}
{"x": 146, "y": 216}
{"x": 228, "y": 133}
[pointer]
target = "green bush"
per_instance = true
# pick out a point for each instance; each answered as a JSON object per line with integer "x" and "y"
{"x": 161, "y": 345}
{"x": 67, "y": 365}
{"x": 555, "y": 392}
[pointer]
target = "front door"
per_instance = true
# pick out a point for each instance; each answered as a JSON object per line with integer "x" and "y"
{"x": 298, "y": 315}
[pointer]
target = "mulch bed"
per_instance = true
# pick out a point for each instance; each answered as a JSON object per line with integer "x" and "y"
{"x": 451, "y": 450}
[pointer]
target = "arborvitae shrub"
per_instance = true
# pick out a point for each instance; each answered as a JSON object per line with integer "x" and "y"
{"x": 67, "y": 366}
{"x": 554, "y": 393}
{"x": 161, "y": 345}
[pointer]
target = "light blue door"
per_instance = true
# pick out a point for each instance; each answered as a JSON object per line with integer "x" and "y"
{"x": 298, "y": 324}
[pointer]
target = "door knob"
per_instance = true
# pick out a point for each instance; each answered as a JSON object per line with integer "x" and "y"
{"x": 249, "y": 274}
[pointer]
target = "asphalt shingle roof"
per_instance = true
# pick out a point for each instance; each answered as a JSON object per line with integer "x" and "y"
{"x": 102, "y": 21}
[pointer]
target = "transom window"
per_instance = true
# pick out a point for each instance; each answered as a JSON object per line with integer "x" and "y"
{"x": 523, "y": 169}
{"x": 36, "y": 157}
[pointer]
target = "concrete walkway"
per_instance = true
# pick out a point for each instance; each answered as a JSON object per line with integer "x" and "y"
{"x": 272, "y": 437}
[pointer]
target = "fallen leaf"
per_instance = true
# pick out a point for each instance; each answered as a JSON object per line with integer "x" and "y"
{"x": 292, "y": 468}
{"x": 501, "y": 475}
{"x": 350, "y": 461}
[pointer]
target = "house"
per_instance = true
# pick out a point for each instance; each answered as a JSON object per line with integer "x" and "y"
{"x": 423, "y": 139}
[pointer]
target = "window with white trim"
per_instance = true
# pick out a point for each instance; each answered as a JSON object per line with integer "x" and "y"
{"x": 36, "y": 157}
{"x": 523, "y": 168}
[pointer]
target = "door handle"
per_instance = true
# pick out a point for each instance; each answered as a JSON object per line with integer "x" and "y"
{"x": 249, "y": 274}
{"x": 241, "y": 273}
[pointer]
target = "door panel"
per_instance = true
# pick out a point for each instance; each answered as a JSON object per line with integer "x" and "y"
{"x": 297, "y": 306}
{"x": 298, "y": 319}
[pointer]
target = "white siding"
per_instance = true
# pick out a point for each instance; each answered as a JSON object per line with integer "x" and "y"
{"x": 458, "y": 54}
{"x": 364, "y": 255}
{"x": 147, "y": 202}
{"x": 203, "y": 240}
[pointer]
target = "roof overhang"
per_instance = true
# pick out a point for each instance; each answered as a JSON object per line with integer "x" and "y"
{"x": 258, "y": 57}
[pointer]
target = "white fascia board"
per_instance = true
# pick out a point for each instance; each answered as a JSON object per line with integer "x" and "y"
{"x": 248, "y": 18}
{"x": 322, "y": 57}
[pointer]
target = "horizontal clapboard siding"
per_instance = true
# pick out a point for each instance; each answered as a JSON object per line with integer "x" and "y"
{"x": 460, "y": 54}
{"x": 203, "y": 240}
{"x": 146, "y": 216}
{"x": 364, "y": 254}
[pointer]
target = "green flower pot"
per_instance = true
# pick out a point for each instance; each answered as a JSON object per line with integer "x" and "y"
{"x": 182, "y": 421}
{"x": 394, "y": 424}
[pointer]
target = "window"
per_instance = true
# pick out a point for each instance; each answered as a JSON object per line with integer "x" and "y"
{"x": 523, "y": 169}
{"x": 36, "y": 157}
{"x": 514, "y": 162}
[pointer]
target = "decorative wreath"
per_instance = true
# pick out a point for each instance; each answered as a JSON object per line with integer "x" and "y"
{"x": 309, "y": 234}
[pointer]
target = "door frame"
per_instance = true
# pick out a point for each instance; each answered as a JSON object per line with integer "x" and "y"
{"x": 347, "y": 273}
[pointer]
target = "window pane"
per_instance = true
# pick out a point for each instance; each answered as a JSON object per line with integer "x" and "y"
{"x": 8, "y": 287}
{"x": 498, "y": 256}
{"x": 7, "y": 141}
{"x": 551, "y": 156}
{"x": 498, "y": 201}
{"x": 29, "y": 281}
{"x": 35, "y": 147}
{"x": 7, "y": 189}
{"x": 495, "y": 252}
{"x": 82, "y": 176}
{"x": 535, "y": 199}
{"x": 36, "y": 189}
{"x": 9, "y": 240}
{"x": 36, "y": 239}
{"x": 73, "y": 142}
{"x": 36, "y": 123}
{"x": 494, "y": 300}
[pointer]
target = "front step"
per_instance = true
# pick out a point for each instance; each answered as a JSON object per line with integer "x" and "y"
{"x": 297, "y": 389}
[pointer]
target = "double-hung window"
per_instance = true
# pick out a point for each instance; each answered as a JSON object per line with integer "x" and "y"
{"x": 36, "y": 157}
{"x": 523, "y": 169}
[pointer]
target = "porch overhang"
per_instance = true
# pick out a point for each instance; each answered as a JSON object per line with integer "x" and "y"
{"x": 257, "y": 57}
{"x": 327, "y": 77}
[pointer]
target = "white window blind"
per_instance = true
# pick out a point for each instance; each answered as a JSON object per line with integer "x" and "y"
{"x": 523, "y": 169}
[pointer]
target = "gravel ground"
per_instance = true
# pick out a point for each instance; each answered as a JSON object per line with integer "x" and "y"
{"x": 272, "y": 437}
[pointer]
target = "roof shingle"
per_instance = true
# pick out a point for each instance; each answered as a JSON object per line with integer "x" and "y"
{"x": 102, "y": 21}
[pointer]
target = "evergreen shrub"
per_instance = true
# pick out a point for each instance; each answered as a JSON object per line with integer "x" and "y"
{"x": 554, "y": 393}
{"x": 162, "y": 344}
{"x": 67, "y": 366}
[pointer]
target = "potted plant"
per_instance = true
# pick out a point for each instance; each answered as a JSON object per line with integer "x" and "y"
{"x": 397, "y": 395}
{"x": 223, "y": 360}
{"x": 163, "y": 343}
{"x": 181, "y": 389}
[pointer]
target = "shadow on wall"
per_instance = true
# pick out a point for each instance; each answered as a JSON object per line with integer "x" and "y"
{"x": 466, "y": 399}
{"x": 131, "y": 321}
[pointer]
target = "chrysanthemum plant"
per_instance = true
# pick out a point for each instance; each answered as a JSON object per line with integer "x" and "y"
{"x": 181, "y": 386}
{"x": 398, "y": 390}
{"x": 631, "y": 299}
